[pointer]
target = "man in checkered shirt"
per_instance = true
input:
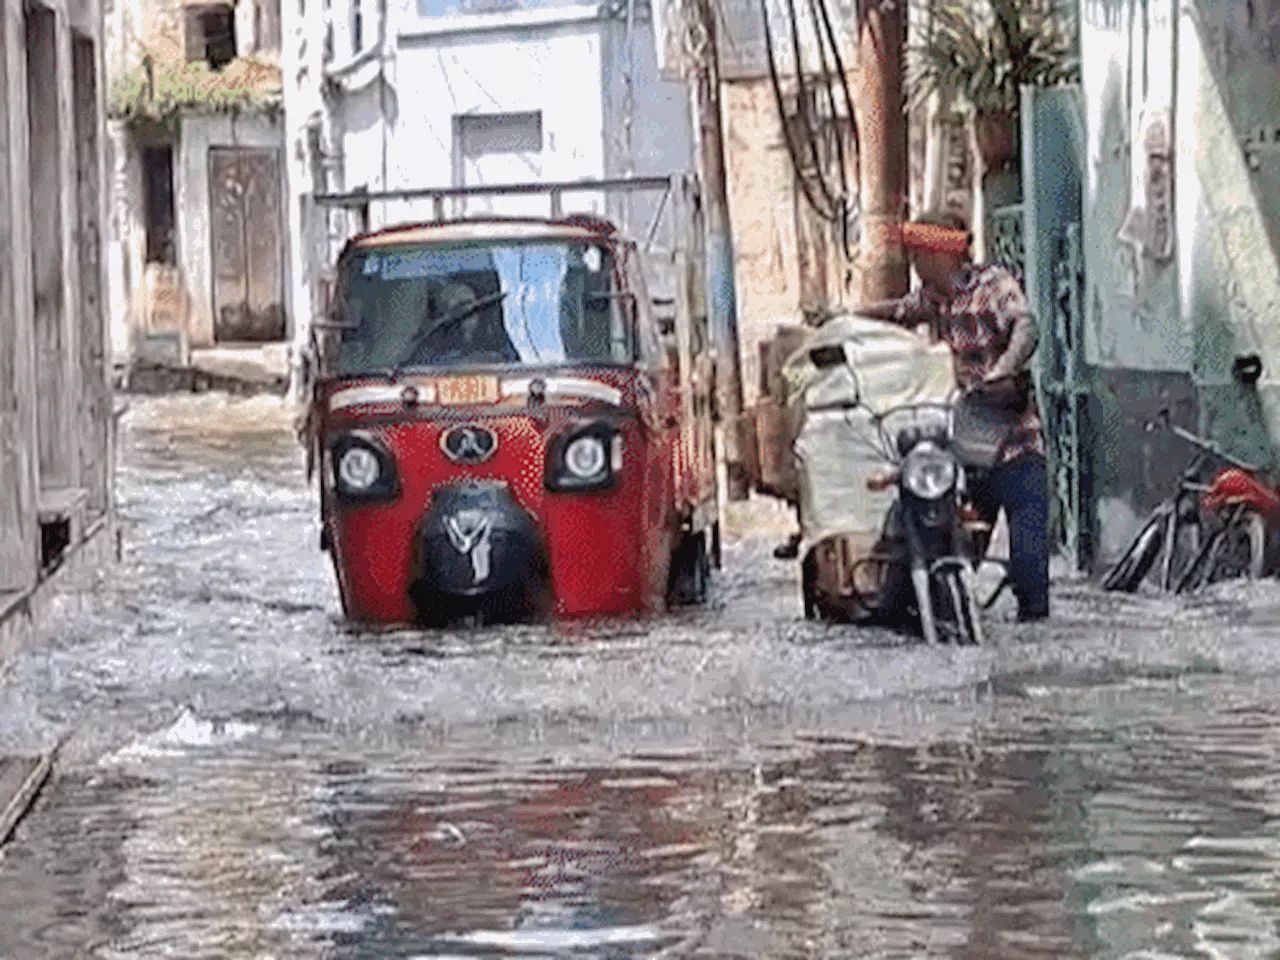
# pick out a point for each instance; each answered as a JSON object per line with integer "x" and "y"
{"x": 983, "y": 315}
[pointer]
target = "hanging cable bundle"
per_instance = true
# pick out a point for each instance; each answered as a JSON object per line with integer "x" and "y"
{"x": 830, "y": 197}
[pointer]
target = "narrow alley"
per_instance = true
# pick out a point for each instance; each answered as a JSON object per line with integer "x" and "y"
{"x": 239, "y": 775}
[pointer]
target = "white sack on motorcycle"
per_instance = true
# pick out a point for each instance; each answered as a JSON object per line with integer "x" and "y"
{"x": 837, "y": 449}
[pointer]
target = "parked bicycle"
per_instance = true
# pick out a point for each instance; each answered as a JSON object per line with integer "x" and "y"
{"x": 1205, "y": 532}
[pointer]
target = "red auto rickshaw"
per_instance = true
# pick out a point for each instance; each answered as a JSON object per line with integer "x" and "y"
{"x": 505, "y": 428}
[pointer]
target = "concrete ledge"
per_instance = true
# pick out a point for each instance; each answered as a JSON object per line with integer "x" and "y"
{"x": 20, "y": 781}
{"x": 24, "y": 614}
{"x": 265, "y": 364}
{"x": 154, "y": 380}
{"x": 237, "y": 369}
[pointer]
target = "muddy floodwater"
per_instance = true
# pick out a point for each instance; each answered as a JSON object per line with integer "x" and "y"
{"x": 241, "y": 777}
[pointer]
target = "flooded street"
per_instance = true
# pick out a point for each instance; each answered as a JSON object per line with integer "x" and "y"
{"x": 241, "y": 777}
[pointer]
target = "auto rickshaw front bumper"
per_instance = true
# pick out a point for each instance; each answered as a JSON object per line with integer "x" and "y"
{"x": 477, "y": 540}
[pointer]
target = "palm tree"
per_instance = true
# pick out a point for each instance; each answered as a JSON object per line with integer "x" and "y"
{"x": 982, "y": 52}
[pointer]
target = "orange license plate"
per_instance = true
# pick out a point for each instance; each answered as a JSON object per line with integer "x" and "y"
{"x": 458, "y": 391}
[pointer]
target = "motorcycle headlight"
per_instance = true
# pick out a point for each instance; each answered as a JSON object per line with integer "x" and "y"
{"x": 929, "y": 472}
{"x": 586, "y": 458}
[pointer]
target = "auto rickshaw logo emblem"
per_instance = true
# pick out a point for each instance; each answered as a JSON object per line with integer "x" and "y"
{"x": 468, "y": 531}
{"x": 469, "y": 444}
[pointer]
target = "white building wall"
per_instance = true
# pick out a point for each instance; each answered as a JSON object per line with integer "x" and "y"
{"x": 126, "y": 249}
{"x": 302, "y": 43}
{"x": 392, "y": 124}
{"x": 554, "y": 70}
{"x": 661, "y": 140}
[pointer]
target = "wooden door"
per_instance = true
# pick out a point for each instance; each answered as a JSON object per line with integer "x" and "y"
{"x": 248, "y": 252}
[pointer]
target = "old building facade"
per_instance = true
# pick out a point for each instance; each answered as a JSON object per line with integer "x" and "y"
{"x": 56, "y": 415}
{"x": 789, "y": 260}
{"x": 794, "y": 260}
{"x": 415, "y": 94}
{"x": 199, "y": 264}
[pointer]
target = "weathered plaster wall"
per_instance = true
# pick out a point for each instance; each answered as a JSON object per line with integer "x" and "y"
{"x": 762, "y": 203}
{"x": 126, "y": 249}
{"x": 789, "y": 260}
{"x": 302, "y": 46}
{"x": 1136, "y": 338}
{"x": 17, "y": 343}
{"x": 77, "y": 451}
{"x": 1131, "y": 302}
{"x": 137, "y": 27}
{"x": 659, "y": 115}
{"x": 1229, "y": 80}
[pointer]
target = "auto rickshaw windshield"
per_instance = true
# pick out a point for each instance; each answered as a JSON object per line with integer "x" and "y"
{"x": 510, "y": 303}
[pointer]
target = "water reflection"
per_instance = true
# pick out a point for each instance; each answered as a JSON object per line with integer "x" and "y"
{"x": 302, "y": 809}
{"x": 493, "y": 858}
{"x": 1134, "y": 831}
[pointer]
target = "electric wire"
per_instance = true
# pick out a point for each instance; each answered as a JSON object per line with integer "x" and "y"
{"x": 821, "y": 20}
{"x": 829, "y": 90}
{"x": 834, "y": 131}
{"x": 838, "y": 198}
{"x": 787, "y": 133}
{"x": 802, "y": 111}
{"x": 849, "y": 109}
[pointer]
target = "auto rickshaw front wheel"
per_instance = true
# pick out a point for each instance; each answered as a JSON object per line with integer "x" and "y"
{"x": 690, "y": 570}
{"x": 808, "y": 587}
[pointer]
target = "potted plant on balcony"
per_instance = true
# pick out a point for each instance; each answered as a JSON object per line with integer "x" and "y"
{"x": 982, "y": 52}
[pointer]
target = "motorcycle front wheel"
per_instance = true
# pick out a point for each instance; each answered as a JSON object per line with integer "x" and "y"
{"x": 958, "y": 618}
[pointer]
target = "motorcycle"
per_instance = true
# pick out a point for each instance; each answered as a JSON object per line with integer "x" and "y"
{"x": 929, "y": 534}
{"x": 891, "y": 536}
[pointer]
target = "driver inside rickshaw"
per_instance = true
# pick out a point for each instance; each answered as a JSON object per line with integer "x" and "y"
{"x": 464, "y": 329}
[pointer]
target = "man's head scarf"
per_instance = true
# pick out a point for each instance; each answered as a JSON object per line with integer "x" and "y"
{"x": 934, "y": 237}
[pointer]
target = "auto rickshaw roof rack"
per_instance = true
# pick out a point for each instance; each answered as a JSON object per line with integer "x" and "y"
{"x": 360, "y": 201}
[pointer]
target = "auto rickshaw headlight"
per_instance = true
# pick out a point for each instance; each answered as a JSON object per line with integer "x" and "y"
{"x": 586, "y": 458}
{"x": 363, "y": 468}
{"x": 929, "y": 472}
{"x": 358, "y": 470}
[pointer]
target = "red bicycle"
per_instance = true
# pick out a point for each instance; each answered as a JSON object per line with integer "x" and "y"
{"x": 1224, "y": 526}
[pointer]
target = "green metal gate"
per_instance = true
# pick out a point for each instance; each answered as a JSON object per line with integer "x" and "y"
{"x": 1053, "y": 156}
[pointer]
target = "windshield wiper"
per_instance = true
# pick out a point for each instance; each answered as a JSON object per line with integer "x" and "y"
{"x": 447, "y": 320}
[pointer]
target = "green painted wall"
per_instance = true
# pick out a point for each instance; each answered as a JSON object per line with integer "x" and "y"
{"x": 1175, "y": 329}
{"x": 1229, "y": 89}
{"x": 1131, "y": 304}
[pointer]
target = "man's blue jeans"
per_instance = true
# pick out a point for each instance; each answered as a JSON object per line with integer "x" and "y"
{"x": 1021, "y": 489}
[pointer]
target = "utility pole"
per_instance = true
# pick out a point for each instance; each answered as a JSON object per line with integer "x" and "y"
{"x": 722, "y": 303}
{"x": 882, "y": 124}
